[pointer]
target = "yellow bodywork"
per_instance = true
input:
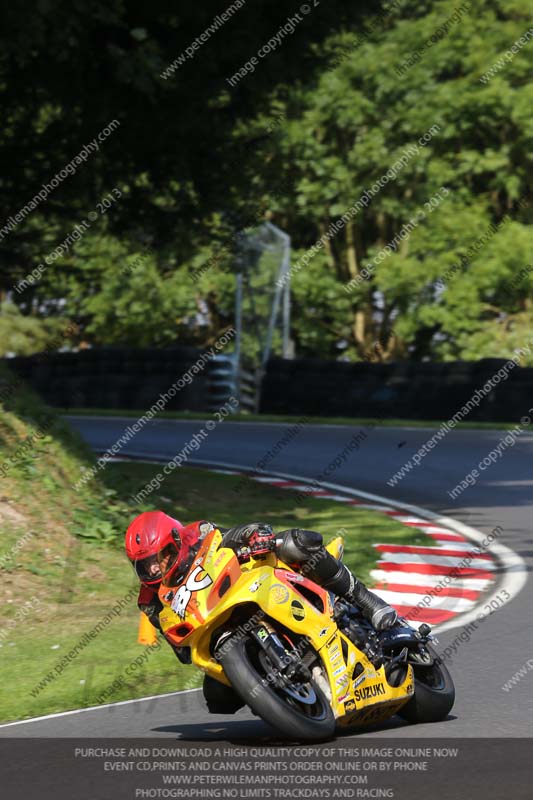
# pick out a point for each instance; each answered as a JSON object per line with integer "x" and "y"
{"x": 217, "y": 584}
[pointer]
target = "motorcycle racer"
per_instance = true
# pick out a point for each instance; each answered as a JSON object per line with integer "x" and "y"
{"x": 159, "y": 546}
{"x": 146, "y": 539}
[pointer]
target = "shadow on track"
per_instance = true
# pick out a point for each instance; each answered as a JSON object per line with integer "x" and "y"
{"x": 252, "y": 733}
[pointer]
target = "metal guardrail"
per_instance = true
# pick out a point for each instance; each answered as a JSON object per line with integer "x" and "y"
{"x": 226, "y": 380}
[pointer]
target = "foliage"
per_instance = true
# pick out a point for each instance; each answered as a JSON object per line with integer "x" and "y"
{"x": 343, "y": 133}
{"x": 299, "y": 140}
{"x": 24, "y": 334}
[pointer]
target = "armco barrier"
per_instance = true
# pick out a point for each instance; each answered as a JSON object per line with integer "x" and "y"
{"x": 402, "y": 390}
{"x": 116, "y": 377}
{"x": 227, "y": 380}
{"x": 130, "y": 378}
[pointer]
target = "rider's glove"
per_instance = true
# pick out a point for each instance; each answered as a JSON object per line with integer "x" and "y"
{"x": 240, "y": 535}
{"x": 262, "y": 540}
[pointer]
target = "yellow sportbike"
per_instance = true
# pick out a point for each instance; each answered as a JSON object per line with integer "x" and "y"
{"x": 301, "y": 660}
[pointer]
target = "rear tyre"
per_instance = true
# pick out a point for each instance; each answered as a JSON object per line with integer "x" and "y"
{"x": 434, "y": 694}
{"x": 245, "y": 669}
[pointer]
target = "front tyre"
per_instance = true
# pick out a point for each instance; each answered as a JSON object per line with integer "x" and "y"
{"x": 434, "y": 694}
{"x": 299, "y": 712}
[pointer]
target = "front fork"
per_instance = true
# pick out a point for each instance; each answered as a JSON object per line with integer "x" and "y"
{"x": 287, "y": 665}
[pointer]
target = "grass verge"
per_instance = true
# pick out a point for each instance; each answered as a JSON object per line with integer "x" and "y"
{"x": 282, "y": 418}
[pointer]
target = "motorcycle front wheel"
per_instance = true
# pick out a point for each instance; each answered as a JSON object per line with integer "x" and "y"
{"x": 299, "y": 710}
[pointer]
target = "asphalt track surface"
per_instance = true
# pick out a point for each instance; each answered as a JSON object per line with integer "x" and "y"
{"x": 503, "y": 496}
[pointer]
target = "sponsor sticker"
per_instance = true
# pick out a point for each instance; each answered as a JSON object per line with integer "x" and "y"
{"x": 295, "y": 577}
{"x": 370, "y": 691}
{"x": 256, "y": 584}
{"x": 279, "y": 593}
{"x": 359, "y": 680}
{"x": 297, "y": 609}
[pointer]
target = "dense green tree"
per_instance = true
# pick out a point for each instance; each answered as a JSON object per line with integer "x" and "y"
{"x": 23, "y": 335}
{"x": 301, "y": 139}
{"x": 343, "y": 133}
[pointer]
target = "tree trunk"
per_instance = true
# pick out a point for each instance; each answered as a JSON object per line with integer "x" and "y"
{"x": 359, "y": 322}
{"x": 330, "y": 255}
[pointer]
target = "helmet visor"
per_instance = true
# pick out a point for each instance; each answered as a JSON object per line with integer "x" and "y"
{"x": 167, "y": 558}
{"x": 148, "y": 569}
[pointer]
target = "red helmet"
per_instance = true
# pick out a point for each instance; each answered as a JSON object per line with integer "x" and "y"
{"x": 154, "y": 544}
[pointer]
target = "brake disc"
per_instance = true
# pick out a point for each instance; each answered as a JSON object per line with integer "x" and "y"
{"x": 302, "y": 693}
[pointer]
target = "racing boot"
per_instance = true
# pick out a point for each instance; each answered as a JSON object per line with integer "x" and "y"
{"x": 183, "y": 654}
{"x": 377, "y": 611}
{"x": 220, "y": 699}
{"x": 306, "y": 549}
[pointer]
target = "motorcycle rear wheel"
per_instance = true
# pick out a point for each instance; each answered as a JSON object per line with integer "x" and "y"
{"x": 301, "y": 721}
{"x": 434, "y": 693}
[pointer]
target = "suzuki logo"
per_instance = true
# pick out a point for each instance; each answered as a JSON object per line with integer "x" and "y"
{"x": 369, "y": 691}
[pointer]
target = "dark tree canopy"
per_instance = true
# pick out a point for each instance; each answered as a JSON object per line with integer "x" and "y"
{"x": 190, "y": 160}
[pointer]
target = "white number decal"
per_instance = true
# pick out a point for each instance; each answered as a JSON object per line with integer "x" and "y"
{"x": 184, "y": 593}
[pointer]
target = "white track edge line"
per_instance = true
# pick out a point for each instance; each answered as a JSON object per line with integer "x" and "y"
{"x": 97, "y": 708}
